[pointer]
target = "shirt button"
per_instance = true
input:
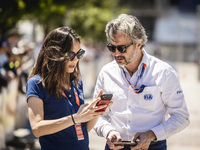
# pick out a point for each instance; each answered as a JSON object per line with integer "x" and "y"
{"x": 70, "y": 96}
{"x": 129, "y": 106}
{"x": 129, "y": 121}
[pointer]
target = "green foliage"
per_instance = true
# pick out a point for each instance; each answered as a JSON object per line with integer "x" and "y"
{"x": 90, "y": 21}
{"x": 8, "y": 15}
{"x": 88, "y": 18}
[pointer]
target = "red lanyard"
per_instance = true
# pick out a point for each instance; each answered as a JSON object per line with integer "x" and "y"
{"x": 78, "y": 128}
{"x": 139, "y": 90}
{"x": 76, "y": 97}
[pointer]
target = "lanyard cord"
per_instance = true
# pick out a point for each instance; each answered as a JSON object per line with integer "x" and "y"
{"x": 75, "y": 94}
{"x": 139, "y": 90}
{"x": 76, "y": 97}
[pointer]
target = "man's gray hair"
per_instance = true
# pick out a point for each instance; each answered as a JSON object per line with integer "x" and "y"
{"x": 129, "y": 25}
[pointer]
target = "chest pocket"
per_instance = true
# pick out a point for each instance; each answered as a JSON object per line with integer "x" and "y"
{"x": 150, "y": 98}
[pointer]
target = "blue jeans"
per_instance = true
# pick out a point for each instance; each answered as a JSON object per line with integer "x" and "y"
{"x": 160, "y": 145}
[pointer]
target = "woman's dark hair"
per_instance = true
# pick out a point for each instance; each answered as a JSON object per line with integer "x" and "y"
{"x": 51, "y": 61}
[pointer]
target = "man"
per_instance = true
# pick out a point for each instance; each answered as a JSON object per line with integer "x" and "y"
{"x": 145, "y": 90}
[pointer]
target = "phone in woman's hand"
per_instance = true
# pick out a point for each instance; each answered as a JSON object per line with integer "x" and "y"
{"x": 105, "y": 100}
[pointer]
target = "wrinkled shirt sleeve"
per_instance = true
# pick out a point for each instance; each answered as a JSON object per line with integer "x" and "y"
{"x": 103, "y": 125}
{"x": 173, "y": 98}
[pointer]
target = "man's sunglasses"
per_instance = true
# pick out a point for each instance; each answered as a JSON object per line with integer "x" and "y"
{"x": 79, "y": 54}
{"x": 120, "y": 48}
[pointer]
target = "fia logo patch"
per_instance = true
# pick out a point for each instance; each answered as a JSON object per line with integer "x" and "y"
{"x": 148, "y": 97}
{"x": 179, "y": 92}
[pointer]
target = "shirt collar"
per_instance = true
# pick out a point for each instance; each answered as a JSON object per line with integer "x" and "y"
{"x": 145, "y": 59}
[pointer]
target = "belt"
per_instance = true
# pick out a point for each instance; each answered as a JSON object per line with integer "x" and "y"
{"x": 155, "y": 142}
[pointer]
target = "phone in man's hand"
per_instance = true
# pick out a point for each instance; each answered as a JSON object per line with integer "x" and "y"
{"x": 105, "y": 100}
{"x": 125, "y": 143}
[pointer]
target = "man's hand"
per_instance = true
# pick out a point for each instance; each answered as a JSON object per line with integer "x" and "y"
{"x": 144, "y": 138}
{"x": 113, "y": 136}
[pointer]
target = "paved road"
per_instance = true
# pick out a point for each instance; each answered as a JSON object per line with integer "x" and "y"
{"x": 188, "y": 139}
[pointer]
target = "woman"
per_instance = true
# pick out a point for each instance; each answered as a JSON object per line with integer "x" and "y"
{"x": 57, "y": 113}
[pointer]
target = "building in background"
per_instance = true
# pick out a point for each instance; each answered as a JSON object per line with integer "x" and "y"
{"x": 171, "y": 25}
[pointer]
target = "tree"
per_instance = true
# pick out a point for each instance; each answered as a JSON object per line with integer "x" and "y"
{"x": 87, "y": 18}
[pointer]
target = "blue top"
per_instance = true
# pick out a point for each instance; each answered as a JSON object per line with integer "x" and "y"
{"x": 58, "y": 108}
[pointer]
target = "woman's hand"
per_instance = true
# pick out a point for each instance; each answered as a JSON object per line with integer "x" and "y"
{"x": 88, "y": 112}
{"x": 110, "y": 103}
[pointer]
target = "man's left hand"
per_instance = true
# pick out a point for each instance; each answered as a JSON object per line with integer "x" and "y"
{"x": 143, "y": 139}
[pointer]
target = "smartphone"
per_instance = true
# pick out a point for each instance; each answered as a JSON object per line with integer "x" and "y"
{"x": 105, "y": 100}
{"x": 125, "y": 143}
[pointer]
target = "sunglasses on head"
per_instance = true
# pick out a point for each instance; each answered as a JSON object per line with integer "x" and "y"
{"x": 120, "y": 48}
{"x": 79, "y": 54}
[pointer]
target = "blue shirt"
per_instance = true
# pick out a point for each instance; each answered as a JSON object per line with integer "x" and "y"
{"x": 57, "y": 108}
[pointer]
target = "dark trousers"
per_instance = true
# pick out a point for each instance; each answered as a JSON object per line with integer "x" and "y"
{"x": 160, "y": 145}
